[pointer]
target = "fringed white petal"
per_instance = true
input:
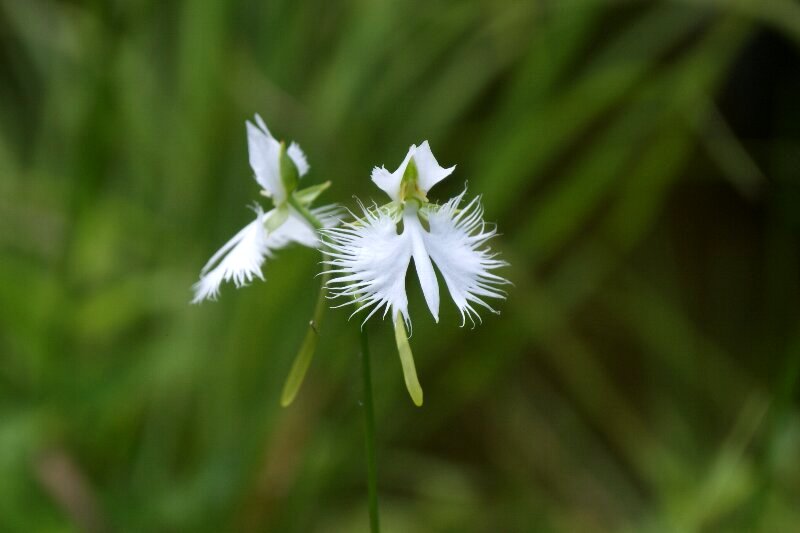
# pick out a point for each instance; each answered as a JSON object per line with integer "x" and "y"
{"x": 239, "y": 260}
{"x": 430, "y": 172}
{"x": 369, "y": 262}
{"x": 242, "y": 256}
{"x": 329, "y": 215}
{"x": 265, "y": 159}
{"x": 456, "y": 243}
{"x": 299, "y": 158}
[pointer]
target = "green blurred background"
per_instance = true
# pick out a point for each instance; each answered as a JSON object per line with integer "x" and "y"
{"x": 640, "y": 159}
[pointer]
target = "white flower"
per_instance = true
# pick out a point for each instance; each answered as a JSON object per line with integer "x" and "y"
{"x": 291, "y": 220}
{"x": 370, "y": 256}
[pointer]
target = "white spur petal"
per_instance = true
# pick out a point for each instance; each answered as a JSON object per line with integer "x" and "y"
{"x": 422, "y": 261}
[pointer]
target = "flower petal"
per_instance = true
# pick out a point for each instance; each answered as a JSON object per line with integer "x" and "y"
{"x": 299, "y": 158}
{"x": 389, "y": 182}
{"x": 369, "y": 261}
{"x": 294, "y": 229}
{"x": 456, "y": 244}
{"x": 265, "y": 159}
{"x": 422, "y": 261}
{"x": 262, "y": 126}
{"x": 430, "y": 172}
{"x": 298, "y": 230}
{"x": 243, "y": 256}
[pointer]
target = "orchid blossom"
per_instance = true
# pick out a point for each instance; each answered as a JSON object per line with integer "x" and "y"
{"x": 370, "y": 256}
{"x": 277, "y": 170}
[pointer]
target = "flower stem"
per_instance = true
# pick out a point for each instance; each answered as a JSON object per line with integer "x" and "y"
{"x": 369, "y": 434}
{"x": 305, "y": 213}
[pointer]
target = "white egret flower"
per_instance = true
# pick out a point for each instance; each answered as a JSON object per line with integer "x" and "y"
{"x": 277, "y": 169}
{"x": 370, "y": 256}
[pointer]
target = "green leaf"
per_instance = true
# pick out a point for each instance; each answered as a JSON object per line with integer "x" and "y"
{"x": 309, "y": 194}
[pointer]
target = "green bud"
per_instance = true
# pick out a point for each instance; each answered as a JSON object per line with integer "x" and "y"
{"x": 289, "y": 173}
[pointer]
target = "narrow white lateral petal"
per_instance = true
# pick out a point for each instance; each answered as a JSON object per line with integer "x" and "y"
{"x": 368, "y": 262}
{"x": 456, "y": 243}
{"x": 422, "y": 261}
{"x": 389, "y": 182}
{"x": 241, "y": 260}
{"x": 265, "y": 160}
{"x": 299, "y": 158}
{"x": 430, "y": 172}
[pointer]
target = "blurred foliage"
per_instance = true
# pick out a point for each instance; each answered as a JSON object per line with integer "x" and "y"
{"x": 640, "y": 158}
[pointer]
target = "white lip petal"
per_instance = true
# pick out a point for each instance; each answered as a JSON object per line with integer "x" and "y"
{"x": 369, "y": 262}
{"x": 369, "y": 259}
{"x": 299, "y": 158}
{"x": 264, "y": 153}
{"x": 422, "y": 261}
{"x": 243, "y": 256}
{"x": 240, "y": 259}
{"x": 430, "y": 172}
{"x": 456, "y": 244}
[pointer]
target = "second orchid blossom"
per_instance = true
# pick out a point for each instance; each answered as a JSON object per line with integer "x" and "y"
{"x": 370, "y": 255}
{"x": 292, "y": 220}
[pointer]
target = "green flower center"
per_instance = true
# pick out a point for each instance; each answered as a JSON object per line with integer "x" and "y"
{"x": 409, "y": 185}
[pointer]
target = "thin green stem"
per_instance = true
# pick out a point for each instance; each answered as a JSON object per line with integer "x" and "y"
{"x": 304, "y": 212}
{"x": 369, "y": 434}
